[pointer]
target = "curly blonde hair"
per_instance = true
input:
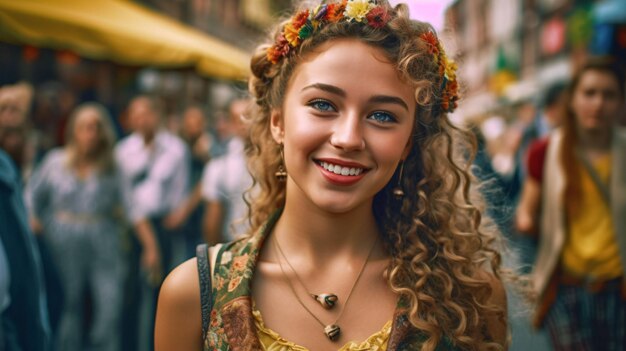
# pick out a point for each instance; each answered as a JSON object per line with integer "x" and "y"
{"x": 439, "y": 244}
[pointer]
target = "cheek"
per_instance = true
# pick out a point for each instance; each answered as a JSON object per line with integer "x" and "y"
{"x": 579, "y": 105}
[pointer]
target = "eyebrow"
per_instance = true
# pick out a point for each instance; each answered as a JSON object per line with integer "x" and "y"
{"x": 384, "y": 99}
{"x": 326, "y": 87}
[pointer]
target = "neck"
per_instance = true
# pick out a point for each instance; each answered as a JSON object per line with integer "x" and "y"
{"x": 322, "y": 237}
{"x": 595, "y": 140}
{"x": 148, "y": 138}
{"x": 85, "y": 158}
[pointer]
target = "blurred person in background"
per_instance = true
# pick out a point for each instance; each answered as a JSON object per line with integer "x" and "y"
{"x": 225, "y": 180}
{"x": 199, "y": 142}
{"x": 155, "y": 171}
{"x": 575, "y": 197}
{"x": 54, "y": 104}
{"x": 551, "y": 109}
{"x": 15, "y": 101}
{"x": 76, "y": 204}
{"x": 24, "y": 320}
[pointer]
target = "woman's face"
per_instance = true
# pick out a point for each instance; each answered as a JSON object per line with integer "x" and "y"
{"x": 345, "y": 124}
{"x": 596, "y": 100}
{"x": 87, "y": 130}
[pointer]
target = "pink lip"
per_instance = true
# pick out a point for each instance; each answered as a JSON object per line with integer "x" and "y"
{"x": 339, "y": 179}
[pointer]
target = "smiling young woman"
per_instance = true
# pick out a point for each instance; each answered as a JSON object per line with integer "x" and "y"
{"x": 364, "y": 230}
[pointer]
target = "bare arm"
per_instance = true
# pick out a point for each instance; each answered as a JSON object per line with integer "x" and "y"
{"x": 178, "y": 319}
{"x": 212, "y": 226}
{"x": 180, "y": 215}
{"x": 527, "y": 213}
{"x": 151, "y": 253}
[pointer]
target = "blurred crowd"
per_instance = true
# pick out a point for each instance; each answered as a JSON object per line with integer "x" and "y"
{"x": 104, "y": 208}
{"x": 96, "y": 209}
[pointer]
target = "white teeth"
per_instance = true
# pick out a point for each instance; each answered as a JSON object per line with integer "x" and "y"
{"x": 341, "y": 170}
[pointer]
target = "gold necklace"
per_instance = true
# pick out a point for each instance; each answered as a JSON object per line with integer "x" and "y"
{"x": 327, "y": 300}
{"x": 332, "y": 331}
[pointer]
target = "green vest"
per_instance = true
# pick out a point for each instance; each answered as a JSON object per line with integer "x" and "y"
{"x": 232, "y": 324}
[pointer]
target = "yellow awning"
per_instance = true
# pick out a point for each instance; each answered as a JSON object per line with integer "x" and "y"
{"x": 120, "y": 31}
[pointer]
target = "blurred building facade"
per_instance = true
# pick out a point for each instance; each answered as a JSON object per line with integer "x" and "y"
{"x": 509, "y": 51}
{"x": 239, "y": 23}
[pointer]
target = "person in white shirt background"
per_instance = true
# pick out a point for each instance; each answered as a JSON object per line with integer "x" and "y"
{"x": 224, "y": 182}
{"x": 155, "y": 171}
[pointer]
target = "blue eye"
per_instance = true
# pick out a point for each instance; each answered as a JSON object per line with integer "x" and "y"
{"x": 382, "y": 117}
{"x": 322, "y": 105}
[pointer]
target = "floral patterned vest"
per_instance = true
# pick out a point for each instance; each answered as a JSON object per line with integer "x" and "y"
{"x": 231, "y": 326}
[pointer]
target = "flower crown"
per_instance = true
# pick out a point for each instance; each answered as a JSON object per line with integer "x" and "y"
{"x": 305, "y": 23}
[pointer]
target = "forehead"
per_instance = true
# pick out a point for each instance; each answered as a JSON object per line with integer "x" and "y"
{"x": 595, "y": 78}
{"x": 353, "y": 66}
{"x": 87, "y": 115}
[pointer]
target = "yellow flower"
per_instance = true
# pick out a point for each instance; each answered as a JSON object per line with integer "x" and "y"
{"x": 358, "y": 9}
{"x": 291, "y": 34}
{"x": 450, "y": 71}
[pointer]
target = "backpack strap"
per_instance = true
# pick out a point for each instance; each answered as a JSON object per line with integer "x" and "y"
{"x": 204, "y": 274}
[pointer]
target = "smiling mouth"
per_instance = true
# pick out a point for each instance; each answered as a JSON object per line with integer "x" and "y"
{"x": 341, "y": 170}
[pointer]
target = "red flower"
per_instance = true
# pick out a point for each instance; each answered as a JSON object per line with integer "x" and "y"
{"x": 378, "y": 17}
{"x": 279, "y": 50}
{"x": 300, "y": 19}
{"x": 335, "y": 11}
{"x": 431, "y": 42}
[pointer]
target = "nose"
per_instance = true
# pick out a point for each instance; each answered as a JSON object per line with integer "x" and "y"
{"x": 348, "y": 133}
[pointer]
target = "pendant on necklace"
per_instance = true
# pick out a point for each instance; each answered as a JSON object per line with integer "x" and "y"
{"x": 326, "y": 300}
{"x": 332, "y": 331}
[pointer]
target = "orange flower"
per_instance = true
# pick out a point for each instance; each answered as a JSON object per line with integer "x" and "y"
{"x": 234, "y": 283}
{"x": 335, "y": 11}
{"x": 291, "y": 34}
{"x": 240, "y": 262}
{"x": 278, "y": 51}
{"x": 300, "y": 19}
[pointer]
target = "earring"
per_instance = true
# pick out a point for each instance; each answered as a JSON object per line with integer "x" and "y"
{"x": 397, "y": 191}
{"x": 281, "y": 172}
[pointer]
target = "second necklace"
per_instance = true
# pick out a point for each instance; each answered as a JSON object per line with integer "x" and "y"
{"x": 332, "y": 331}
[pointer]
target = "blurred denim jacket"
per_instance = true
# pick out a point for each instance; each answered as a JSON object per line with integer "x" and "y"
{"x": 24, "y": 322}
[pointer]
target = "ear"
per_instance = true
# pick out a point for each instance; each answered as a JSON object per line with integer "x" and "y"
{"x": 277, "y": 125}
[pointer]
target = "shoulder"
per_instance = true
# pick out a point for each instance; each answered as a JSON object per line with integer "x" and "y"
{"x": 8, "y": 172}
{"x": 539, "y": 146}
{"x": 127, "y": 143}
{"x": 181, "y": 287}
{"x": 55, "y": 156}
{"x": 172, "y": 142}
{"x": 536, "y": 158}
{"x": 179, "y": 319}
{"x": 53, "y": 159}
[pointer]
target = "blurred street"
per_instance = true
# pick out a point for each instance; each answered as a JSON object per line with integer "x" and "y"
{"x": 85, "y": 85}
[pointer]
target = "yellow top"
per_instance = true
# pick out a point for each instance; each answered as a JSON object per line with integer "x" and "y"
{"x": 271, "y": 341}
{"x": 591, "y": 249}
